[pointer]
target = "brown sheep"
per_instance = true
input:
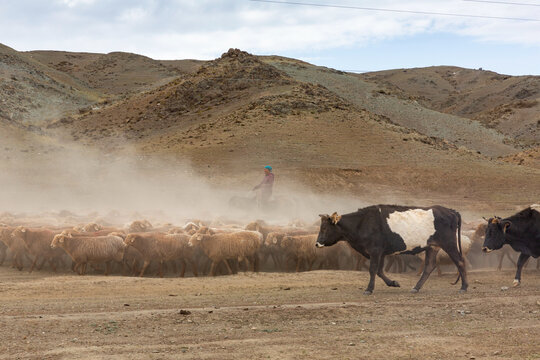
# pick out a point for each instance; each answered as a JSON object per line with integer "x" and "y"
{"x": 15, "y": 245}
{"x": 38, "y": 244}
{"x": 222, "y": 246}
{"x": 140, "y": 226}
{"x": 90, "y": 249}
{"x": 301, "y": 248}
{"x": 163, "y": 247}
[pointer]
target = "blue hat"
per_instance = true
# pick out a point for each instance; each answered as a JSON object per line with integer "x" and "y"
{"x": 268, "y": 167}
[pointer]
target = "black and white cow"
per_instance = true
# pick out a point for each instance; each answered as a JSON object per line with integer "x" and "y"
{"x": 380, "y": 230}
{"x": 521, "y": 231}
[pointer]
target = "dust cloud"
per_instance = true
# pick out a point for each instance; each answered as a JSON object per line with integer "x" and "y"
{"x": 91, "y": 185}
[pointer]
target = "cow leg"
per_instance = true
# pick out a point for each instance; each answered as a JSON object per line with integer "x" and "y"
{"x": 381, "y": 274}
{"x": 421, "y": 270}
{"x": 429, "y": 266}
{"x": 459, "y": 261}
{"x": 521, "y": 261}
{"x": 373, "y": 270}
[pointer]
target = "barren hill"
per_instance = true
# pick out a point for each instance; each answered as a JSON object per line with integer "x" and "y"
{"x": 333, "y": 132}
{"x": 116, "y": 73}
{"x": 509, "y": 104}
{"x": 32, "y": 94}
{"x": 240, "y": 111}
{"x": 400, "y": 110}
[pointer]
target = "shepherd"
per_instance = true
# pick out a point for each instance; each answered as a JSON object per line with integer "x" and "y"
{"x": 265, "y": 188}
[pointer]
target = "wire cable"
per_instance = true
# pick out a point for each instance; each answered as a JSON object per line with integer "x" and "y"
{"x": 395, "y": 10}
{"x": 501, "y": 2}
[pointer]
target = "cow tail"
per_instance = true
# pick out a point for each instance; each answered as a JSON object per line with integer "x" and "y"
{"x": 459, "y": 244}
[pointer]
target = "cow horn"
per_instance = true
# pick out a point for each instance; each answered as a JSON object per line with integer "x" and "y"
{"x": 483, "y": 217}
{"x": 335, "y": 218}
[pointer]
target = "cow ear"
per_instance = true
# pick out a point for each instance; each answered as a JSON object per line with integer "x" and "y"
{"x": 335, "y": 218}
{"x": 323, "y": 216}
{"x": 506, "y": 225}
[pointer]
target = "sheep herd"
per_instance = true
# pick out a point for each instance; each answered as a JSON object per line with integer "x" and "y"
{"x": 200, "y": 248}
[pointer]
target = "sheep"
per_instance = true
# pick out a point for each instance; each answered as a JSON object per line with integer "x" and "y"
{"x": 90, "y": 249}
{"x": 222, "y": 246}
{"x": 15, "y": 245}
{"x": 162, "y": 247}
{"x": 272, "y": 245}
{"x": 301, "y": 248}
{"x": 140, "y": 226}
{"x": 37, "y": 242}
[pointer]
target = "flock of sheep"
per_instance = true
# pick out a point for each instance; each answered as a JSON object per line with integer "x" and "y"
{"x": 140, "y": 249}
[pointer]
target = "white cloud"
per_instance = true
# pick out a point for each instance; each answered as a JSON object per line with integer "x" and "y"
{"x": 203, "y": 29}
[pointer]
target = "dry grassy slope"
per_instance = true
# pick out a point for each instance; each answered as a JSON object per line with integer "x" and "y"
{"x": 459, "y": 131}
{"x": 507, "y": 103}
{"x": 116, "y": 73}
{"x": 239, "y": 112}
{"x": 32, "y": 93}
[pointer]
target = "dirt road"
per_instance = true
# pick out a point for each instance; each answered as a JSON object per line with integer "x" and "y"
{"x": 312, "y": 315}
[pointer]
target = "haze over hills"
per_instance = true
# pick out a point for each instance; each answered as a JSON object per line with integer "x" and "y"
{"x": 373, "y": 135}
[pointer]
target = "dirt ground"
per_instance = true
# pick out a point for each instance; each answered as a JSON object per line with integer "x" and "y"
{"x": 315, "y": 315}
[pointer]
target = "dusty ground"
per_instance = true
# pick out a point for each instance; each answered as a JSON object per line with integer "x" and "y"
{"x": 315, "y": 315}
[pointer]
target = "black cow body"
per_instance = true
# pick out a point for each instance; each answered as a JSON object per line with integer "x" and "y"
{"x": 521, "y": 231}
{"x": 380, "y": 230}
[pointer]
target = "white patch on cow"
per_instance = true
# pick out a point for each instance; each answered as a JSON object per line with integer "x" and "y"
{"x": 536, "y": 207}
{"x": 414, "y": 226}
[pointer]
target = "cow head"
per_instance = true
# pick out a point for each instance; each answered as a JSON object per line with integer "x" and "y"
{"x": 495, "y": 234}
{"x": 329, "y": 233}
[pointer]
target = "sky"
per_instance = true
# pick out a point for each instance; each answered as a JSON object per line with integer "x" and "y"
{"x": 350, "y": 35}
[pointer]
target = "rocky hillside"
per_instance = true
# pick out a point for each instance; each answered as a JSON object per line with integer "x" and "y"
{"x": 116, "y": 73}
{"x": 334, "y": 132}
{"x": 31, "y": 93}
{"x": 509, "y": 104}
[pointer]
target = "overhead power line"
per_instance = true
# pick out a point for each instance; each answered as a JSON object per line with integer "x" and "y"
{"x": 395, "y": 10}
{"x": 502, "y": 2}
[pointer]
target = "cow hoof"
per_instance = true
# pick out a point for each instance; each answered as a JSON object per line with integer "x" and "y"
{"x": 414, "y": 291}
{"x": 395, "y": 284}
{"x": 462, "y": 291}
{"x": 368, "y": 292}
{"x": 516, "y": 283}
